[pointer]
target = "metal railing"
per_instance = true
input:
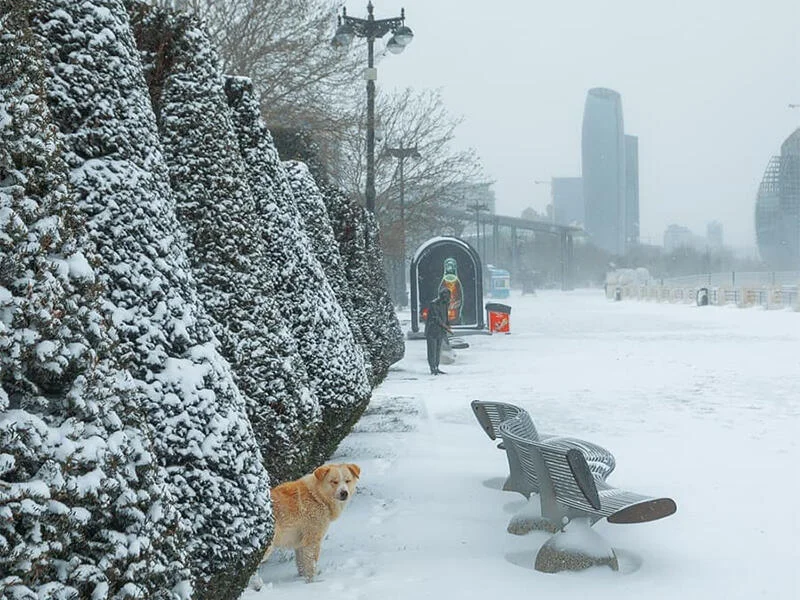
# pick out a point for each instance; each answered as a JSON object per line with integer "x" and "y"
{"x": 770, "y": 289}
{"x": 735, "y": 279}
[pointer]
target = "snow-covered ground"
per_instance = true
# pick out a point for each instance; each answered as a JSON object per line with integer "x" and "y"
{"x": 698, "y": 404}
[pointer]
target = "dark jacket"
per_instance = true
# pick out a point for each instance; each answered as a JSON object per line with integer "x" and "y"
{"x": 437, "y": 321}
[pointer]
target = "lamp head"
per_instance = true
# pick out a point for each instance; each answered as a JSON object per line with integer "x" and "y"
{"x": 403, "y": 35}
{"x": 344, "y": 35}
{"x": 394, "y": 46}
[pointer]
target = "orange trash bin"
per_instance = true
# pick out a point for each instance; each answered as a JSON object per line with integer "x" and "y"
{"x": 498, "y": 317}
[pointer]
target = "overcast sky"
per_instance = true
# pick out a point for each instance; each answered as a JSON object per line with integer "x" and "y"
{"x": 705, "y": 84}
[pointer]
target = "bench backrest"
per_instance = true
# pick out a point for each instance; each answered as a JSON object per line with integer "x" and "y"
{"x": 561, "y": 474}
{"x": 491, "y": 414}
{"x": 570, "y": 476}
{"x": 517, "y": 438}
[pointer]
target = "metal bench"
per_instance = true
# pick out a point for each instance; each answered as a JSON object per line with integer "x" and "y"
{"x": 491, "y": 414}
{"x": 569, "y": 489}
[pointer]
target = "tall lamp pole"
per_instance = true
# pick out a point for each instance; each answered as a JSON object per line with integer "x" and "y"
{"x": 401, "y": 154}
{"x": 478, "y": 208}
{"x": 372, "y": 29}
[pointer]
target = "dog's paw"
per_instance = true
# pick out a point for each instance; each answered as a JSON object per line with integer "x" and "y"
{"x": 256, "y": 583}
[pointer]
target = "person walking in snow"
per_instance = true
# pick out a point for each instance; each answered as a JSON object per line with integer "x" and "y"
{"x": 437, "y": 326}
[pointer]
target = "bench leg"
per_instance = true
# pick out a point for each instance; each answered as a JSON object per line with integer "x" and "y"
{"x": 512, "y": 485}
{"x": 576, "y": 548}
{"x": 529, "y": 518}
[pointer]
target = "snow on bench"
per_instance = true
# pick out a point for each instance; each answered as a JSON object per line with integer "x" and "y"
{"x": 491, "y": 414}
{"x": 570, "y": 492}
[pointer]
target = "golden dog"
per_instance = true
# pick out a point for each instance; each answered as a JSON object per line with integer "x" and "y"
{"x": 305, "y": 508}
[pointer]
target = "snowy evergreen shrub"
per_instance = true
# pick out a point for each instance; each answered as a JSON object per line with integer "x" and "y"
{"x": 227, "y": 240}
{"x": 311, "y": 206}
{"x": 214, "y": 475}
{"x": 358, "y": 235}
{"x": 81, "y": 506}
{"x": 334, "y": 362}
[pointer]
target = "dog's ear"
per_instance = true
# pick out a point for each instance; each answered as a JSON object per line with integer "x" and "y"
{"x": 355, "y": 470}
{"x": 320, "y": 472}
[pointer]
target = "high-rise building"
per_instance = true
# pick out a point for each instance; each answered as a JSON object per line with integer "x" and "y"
{"x": 631, "y": 190}
{"x": 714, "y": 239}
{"x": 676, "y": 237}
{"x": 603, "y": 165}
{"x": 778, "y": 208}
{"x": 568, "y": 200}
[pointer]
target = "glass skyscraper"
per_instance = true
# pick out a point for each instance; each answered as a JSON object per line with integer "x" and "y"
{"x": 631, "y": 190}
{"x": 778, "y": 208}
{"x": 568, "y": 200}
{"x": 603, "y": 166}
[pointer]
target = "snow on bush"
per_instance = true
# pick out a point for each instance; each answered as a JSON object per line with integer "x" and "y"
{"x": 334, "y": 362}
{"x": 82, "y": 511}
{"x": 201, "y": 435}
{"x": 228, "y": 239}
{"x": 358, "y": 236}
{"x": 311, "y": 206}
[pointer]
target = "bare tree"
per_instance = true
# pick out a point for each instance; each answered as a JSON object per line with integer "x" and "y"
{"x": 432, "y": 181}
{"x": 284, "y": 47}
{"x": 307, "y": 86}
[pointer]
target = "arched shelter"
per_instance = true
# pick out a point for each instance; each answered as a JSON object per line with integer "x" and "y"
{"x": 448, "y": 262}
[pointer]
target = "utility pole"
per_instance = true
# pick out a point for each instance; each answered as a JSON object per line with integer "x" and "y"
{"x": 401, "y": 154}
{"x": 478, "y": 208}
{"x": 372, "y": 29}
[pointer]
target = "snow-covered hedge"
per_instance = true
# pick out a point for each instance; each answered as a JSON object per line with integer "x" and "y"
{"x": 311, "y": 206}
{"x": 334, "y": 363}
{"x": 83, "y": 510}
{"x": 358, "y": 236}
{"x": 201, "y": 434}
{"x": 227, "y": 239}
{"x": 170, "y": 323}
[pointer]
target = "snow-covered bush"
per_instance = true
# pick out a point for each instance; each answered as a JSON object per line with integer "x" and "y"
{"x": 335, "y": 365}
{"x": 311, "y": 206}
{"x": 82, "y": 511}
{"x": 227, "y": 239}
{"x": 358, "y": 236}
{"x": 201, "y": 435}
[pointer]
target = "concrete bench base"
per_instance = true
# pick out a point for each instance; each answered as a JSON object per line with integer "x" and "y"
{"x": 576, "y": 548}
{"x": 529, "y": 518}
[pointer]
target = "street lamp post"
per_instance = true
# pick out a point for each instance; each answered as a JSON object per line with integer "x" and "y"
{"x": 478, "y": 208}
{"x": 372, "y": 29}
{"x": 401, "y": 154}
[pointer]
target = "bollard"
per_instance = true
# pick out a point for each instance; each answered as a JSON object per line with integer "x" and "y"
{"x": 702, "y": 297}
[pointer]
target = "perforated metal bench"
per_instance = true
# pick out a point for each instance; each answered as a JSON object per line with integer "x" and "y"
{"x": 491, "y": 414}
{"x": 569, "y": 489}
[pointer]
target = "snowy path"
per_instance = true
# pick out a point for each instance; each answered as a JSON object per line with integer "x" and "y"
{"x": 697, "y": 404}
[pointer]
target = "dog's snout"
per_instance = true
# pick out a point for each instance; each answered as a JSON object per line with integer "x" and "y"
{"x": 343, "y": 495}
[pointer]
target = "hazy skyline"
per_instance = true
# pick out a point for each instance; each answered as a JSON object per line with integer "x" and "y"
{"x": 705, "y": 85}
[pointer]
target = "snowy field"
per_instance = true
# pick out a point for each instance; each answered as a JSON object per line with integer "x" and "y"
{"x": 698, "y": 404}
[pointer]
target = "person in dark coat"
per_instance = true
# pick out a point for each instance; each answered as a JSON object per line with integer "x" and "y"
{"x": 437, "y": 326}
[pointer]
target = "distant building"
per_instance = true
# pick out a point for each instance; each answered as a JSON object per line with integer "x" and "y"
{"x": 631, "y": 190}
{"x": 603, "y": 166}
{"x": 678, "y": 236}
{"x": 714, "y": 238}
{"x": 476, "y": 193}
{"x": 568, "y": 200}
{"x": 777, "y": 217}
